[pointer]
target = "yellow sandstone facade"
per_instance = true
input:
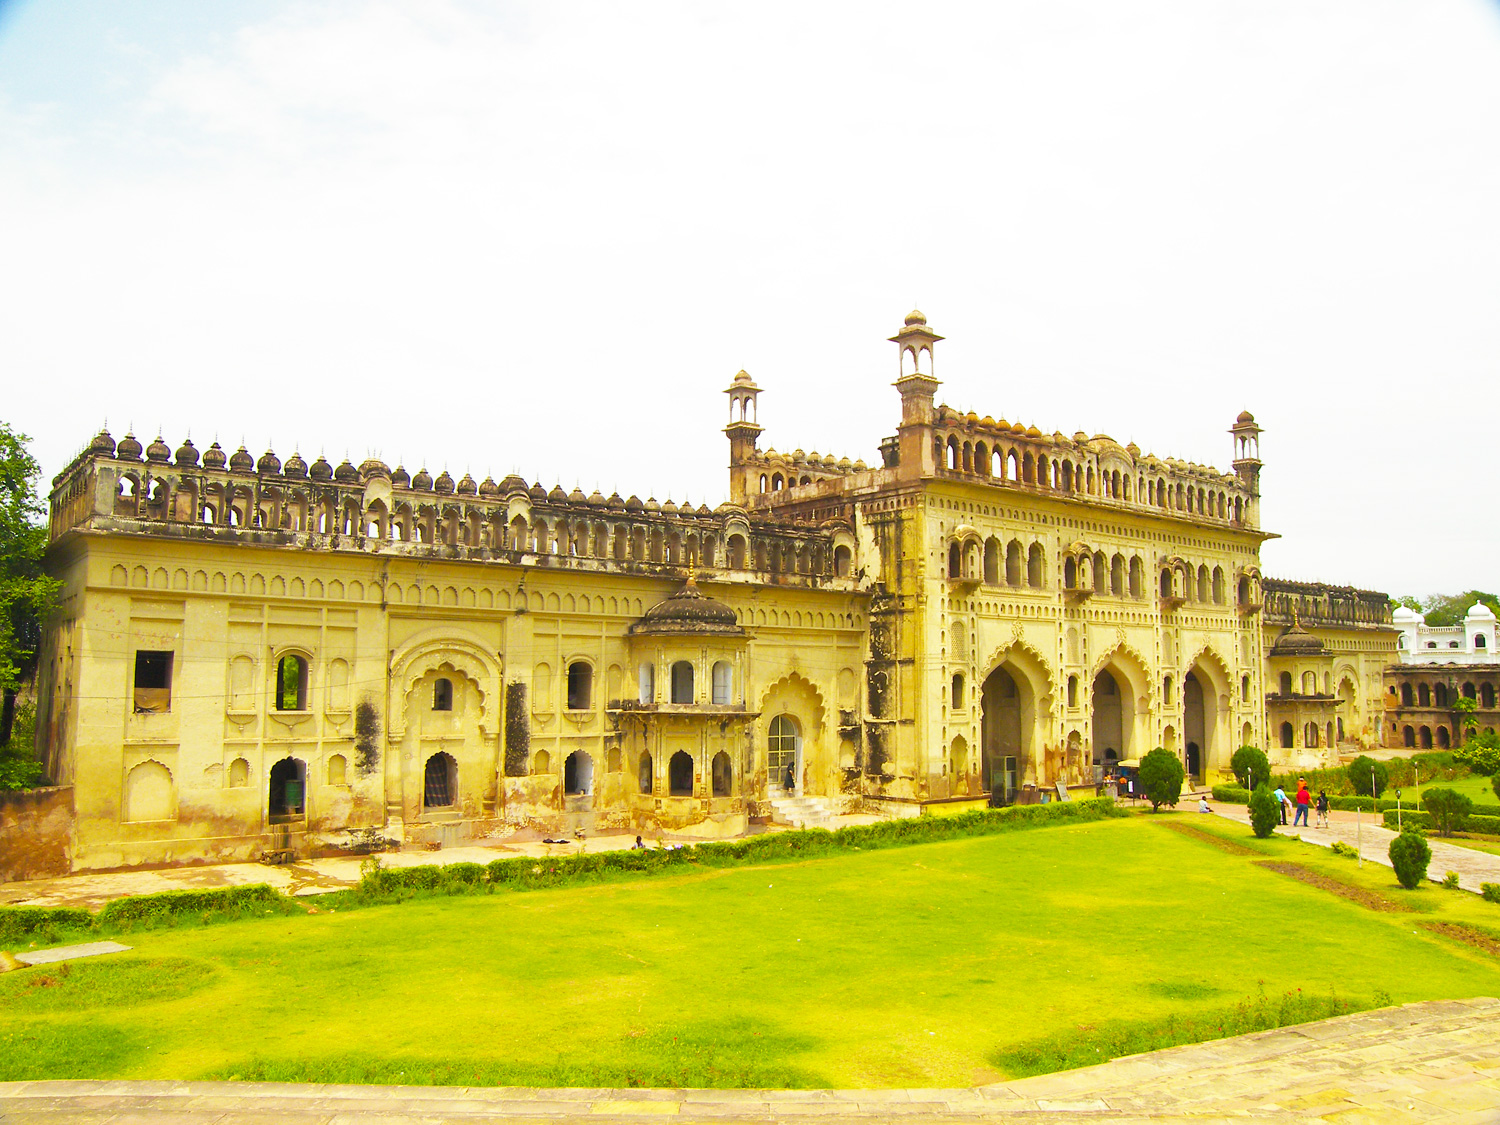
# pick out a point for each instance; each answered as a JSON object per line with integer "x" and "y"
{"x": 252, "y": 656}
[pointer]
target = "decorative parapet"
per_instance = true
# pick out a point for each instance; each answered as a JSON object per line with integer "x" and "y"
{"x": 376, "y": 510}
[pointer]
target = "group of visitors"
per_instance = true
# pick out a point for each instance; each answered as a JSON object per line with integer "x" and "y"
{"x": 1302, "y": 802}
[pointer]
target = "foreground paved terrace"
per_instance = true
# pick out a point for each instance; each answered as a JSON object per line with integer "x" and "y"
{"x": 1437, "y": 1061}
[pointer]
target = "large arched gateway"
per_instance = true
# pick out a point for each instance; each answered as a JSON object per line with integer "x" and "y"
{"x": 1007, "y": 724}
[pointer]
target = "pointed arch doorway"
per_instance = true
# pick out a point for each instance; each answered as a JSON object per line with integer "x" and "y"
{"x": 1007, "y": 716}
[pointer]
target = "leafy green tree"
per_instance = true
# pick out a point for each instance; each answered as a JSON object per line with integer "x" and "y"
{"x": 1251, "y": 766}
{"x": 1161, "y": 778}
{"x": 19, "y": 768}
{"x": 1362, "y": 771}
{"x": 1448, "y": 610}
{"x": 1410, "y": 855}
{"x": 1448, "y": 808}
{"x": 1466, "y": 708}
{"x": 1495, "y": 785}
{"x": 1481, "y": 754}
{"x": 1265, "y": 811}
{"x": 26, "y": 593}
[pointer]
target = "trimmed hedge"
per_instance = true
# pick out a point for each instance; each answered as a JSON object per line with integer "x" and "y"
{"x": 529, "y": 873}
{"x": 1486, "y": 825}
{"x": 1231, "y": 794}
{"x": 143, "y": 912}
{"x": 1234, "y": 795}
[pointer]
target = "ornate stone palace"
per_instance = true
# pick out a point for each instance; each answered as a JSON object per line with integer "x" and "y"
{"x": 252, "y": 655}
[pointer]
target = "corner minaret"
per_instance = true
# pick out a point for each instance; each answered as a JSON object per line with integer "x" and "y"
{"x": 1247, "y": 463}
{"x": 917, "y": 387}
{"x": 743, "y": 432}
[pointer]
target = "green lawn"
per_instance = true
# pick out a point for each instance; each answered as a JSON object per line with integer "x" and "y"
{"x": 910, "y": 966}
{"x": 1477, "y": 789}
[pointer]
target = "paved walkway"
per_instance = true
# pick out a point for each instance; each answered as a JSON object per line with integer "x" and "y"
{"x": 309, "y": 877}
{"x": 1432, "y": 1062}
{"x": 1473, "y": 867}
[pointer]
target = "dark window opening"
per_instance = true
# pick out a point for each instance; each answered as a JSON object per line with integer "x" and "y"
{"x": 682, "y": 682}
{"x": 153, "y": 682}
{"x": 439, "y": 782}
{"x": 442, "y": 695}
{"x": 578, "y": 774}
{"x": 680, "y": 774}
{"x": 580, "y": 686}
{"x": 291, "y": 684}
{"x": 722, "y": 774}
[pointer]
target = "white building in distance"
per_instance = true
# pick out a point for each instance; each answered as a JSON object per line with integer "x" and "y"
{"x": 1473, "y": 642}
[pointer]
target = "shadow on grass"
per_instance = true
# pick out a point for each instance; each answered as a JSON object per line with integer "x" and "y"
{"x": 727, "y": 1054}
{"x": 1089, "y": 1045}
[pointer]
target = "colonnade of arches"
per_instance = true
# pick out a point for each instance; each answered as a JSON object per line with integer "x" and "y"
{"x": 330, "y": 510}
{"x": 1017, "y": 463}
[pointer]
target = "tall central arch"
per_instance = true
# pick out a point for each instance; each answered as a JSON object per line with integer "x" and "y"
{"x": 1111, "y": 731}
{"x": 1008, "y": 722}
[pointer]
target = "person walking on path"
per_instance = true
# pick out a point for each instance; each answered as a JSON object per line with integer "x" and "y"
{"x": 1304, "y": 799}
{"x": 1322, "y": 808}
{"x": 1280, "y": 796}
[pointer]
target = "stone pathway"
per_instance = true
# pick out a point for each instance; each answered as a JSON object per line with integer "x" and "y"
{"x": 1473, "y": 867}
{"x": 70, "y": 952}
{"x": 309, "y": 877}
{"x": 1437, "y": 1061}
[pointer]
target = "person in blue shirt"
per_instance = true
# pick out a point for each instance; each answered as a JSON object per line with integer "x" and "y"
{"x": 1280, "y": 796}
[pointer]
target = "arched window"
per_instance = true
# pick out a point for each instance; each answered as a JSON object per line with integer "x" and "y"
{"x": 682, "y": 682}
{"x": 291, "y": 684}
{"x": 1286, "y": 736}
{"x": 338, "y": 769}
{"x": 1487, "y": 696}
{"x": 992, "y": 562}
{"x": 680, "y": 774}
{"x": 1424, "y": 738}
{"x": 580, "y": 685}
{"x": 645, "y": 776}
{"x": 723, "y": 778}
{"x": 1442, "y": 738}
{"x": 1309, "y": 683}
{"x": 646, "y": 680}
{"x": 439, "y": 782}
{"x": 1479, "y": 640}
{"x": 1468, "y": 690}
{"x": 842, "y": 561}
{"x": 1244, "y": 689}
{"x": 723, "y": 685}
{"x": 1072, "y": 691}
{"x": 783, "y": 740}
{"x": 1406, "y": 696}
{"x": 239, "y": 773}
{"x": 1070, "y": 573}
{"x": 1310, "y": 736}
{"x": 442, "y": 694}
{"x": 148, "y": 793}
{"x": 1408, "y": 736}
{"x": 578, "y": 774}
{"x": 955, "y": 561}
{"x": 1013, "y": 563}
{"x": 1035, "y": 560}
{"x": 1166, "y": 583}
{"x": 1286, "y": 683}
{"x": 1440, "y": 695}
{"x": 1166, "y": 689}
{"x": 958, "y": 691}
{"x": 1137, "y": 577}
{"x": 1424, "y": 695}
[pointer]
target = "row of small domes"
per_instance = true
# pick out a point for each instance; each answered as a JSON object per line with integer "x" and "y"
{"x": 797, "y": 457}
{"x": 214, "y": 457}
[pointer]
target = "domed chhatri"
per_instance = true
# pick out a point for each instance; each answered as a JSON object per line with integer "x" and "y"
{"x": 689, "y": 610}
{"x": 103, "y": 443}
{"x": 129, "y": 448}
{"x": 915, "y": 318}
{"x": 214, "y": 457}
{"x": 159, "y": 451}
{"x": 241, "y": 461}
{"x": 187, "y": 454}
{"x": 1296, "y": 641}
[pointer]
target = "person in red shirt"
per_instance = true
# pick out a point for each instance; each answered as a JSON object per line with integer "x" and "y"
{"x": 1304, "y": 799}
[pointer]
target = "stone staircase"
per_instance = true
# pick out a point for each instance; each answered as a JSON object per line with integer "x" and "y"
{"x": 801, "y": 812}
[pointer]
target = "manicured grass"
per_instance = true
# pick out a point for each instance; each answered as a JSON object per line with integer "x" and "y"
{"x": 1477, "y": 789}
{"x": 925, "y": 965}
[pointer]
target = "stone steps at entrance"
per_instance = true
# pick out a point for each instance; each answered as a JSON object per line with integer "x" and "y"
{"x": 802, "y": 812}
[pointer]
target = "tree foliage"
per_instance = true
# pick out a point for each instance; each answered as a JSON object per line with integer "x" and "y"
{"x": 1265, "y": 811}
{"x": 1448, "y": 808}
{"x": 1448, "y": 610}
{"x": 1410, "y": 855}
{"x": 1161, "y": 778}
{"x": 1251, "y": 766}
{"x": 1481, "y": 754}
{"x": 1361, "y": 772}
{"x": 26, "y": 593}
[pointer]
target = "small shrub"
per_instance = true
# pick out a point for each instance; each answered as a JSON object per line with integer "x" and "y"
{"x": 1363, "y": 771}
{"x": 1347, "y": 850}
{"x": 1410, "y": 856}
{"x": 1161, "y": 778}
{"x": 1448, "y": 808}
{"x": 1490, "y": 892}
{"x": 1251, "y": 767}
{"x": 1265, "y": 812}
{"x": 1231, "y": 794}
{"x": 1450, "y": 881}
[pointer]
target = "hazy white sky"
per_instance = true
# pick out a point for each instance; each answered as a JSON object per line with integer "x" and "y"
{"x": 542, "y": 237}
